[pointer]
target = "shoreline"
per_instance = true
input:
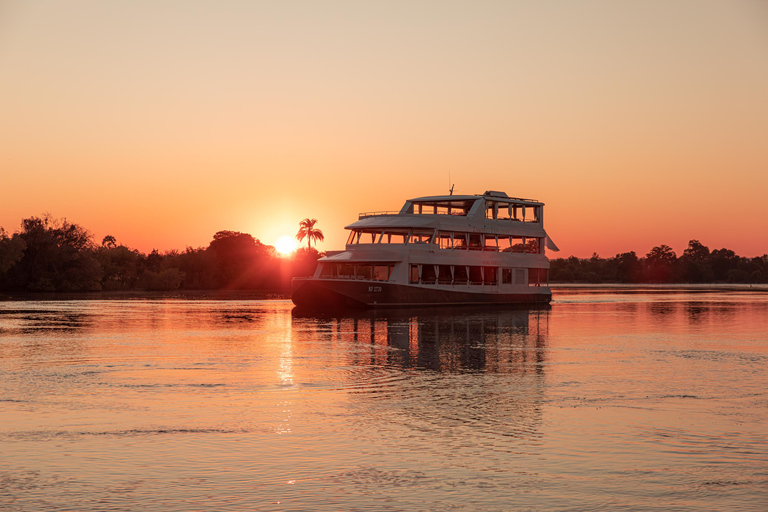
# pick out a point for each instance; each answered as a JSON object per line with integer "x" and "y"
{"x": 286, "y": 294}
{"x": 143, "y": 295}
{"x": 699, "y": 287}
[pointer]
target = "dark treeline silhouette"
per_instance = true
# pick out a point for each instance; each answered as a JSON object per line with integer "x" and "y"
{"x": 697, "y": 264}
{"x": 50, "y": 255}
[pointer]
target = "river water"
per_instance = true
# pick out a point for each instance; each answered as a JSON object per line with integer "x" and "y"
{"x": 620, "y": 399}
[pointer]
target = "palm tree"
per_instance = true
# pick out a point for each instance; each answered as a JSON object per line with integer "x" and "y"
{"x": 307, "y": 229}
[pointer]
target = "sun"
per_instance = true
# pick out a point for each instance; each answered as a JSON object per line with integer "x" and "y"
{"x": 286, "y": 245}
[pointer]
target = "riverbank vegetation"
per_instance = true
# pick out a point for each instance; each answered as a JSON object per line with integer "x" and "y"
{"x": 55, "y": 255}
{"x": 697, "y": 264}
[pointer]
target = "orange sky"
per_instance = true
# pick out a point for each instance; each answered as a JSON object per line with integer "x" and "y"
{"x": 637, "y": 123}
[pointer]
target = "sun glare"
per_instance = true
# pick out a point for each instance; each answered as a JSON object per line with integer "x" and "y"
{"x": 286, "y": 245}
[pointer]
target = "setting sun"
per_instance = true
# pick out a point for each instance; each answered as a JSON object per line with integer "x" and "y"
{"x": 286, "y": 245}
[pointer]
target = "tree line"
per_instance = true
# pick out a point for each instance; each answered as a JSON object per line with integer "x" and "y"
{"x": 55, "y": 255}
{"x": 697, "y": 264}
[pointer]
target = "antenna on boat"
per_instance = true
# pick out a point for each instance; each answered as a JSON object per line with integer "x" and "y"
{"x": 451, "y": 193}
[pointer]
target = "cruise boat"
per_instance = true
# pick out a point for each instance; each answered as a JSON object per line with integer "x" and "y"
{"x": 437, "y": 250}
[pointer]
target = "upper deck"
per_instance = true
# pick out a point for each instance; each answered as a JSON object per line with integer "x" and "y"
{"x": 491, "y": 222}
{"x": 485, "y": 209}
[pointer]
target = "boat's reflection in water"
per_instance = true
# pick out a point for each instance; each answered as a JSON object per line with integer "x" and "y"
{"x": 442, "y": 339}
{"x": 474, "y": 374}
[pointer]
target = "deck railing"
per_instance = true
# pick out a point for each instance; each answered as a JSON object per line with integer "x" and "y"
{"x": 375, "y": 214}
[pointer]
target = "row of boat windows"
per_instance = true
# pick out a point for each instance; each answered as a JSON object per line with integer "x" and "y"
{"x": 438, "y": 274}
{"x": 510, "y": 211}
{"x": 448, "y": 240}
{"x": 499, "y": 210}
{"x": 473, "y": 275}
{"x": 367, "y": 271}
{"x": 440, "y": 207}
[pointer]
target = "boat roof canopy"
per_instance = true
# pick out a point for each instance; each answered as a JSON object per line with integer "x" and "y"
{"x": 489, "y": 195}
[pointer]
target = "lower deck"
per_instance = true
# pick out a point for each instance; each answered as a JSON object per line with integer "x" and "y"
{"x": 312, "y": 292}
{"x": 488, "y": 275}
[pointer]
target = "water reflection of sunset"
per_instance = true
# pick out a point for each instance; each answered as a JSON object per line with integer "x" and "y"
{"x": 234, "y": 403}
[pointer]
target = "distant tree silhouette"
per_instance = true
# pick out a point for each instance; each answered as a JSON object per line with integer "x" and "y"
{"x": 307, "y": 229}
{"x": 694, "y": 264}
{"x": 659, "y": 263}
{"x": 109, "y": 242}
{"x": 723, "y": 261}
{"x": 627, "y": 267}
{"x": 696, "y": 251}
{"x": 11, "y": 251}
{"x": 305, "y": 261}
{"x": 243, "y": 261}
{"x": 59, "y": 256}
{"x": 121, "y": 267}
{"x": 200, "y": 268}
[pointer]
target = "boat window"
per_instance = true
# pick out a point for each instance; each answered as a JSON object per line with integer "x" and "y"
{"x": 532, "y": 245}
{"x": 394, "y": 237}
{"x": 363, "y": 271}
{"x": 368, "y": 237}
{"x": 382, "y": 272}
{"x": 352, "y": 237}
{"x": 506, "y": 276}
{"x": 421, "y": 236}
{"x": 530, "y": 213}
{"x": 475, "y": 241}
{"x": 460, "y": 274}
{"x": 414, "y": 273}
{"x": 498, "y": 210}
{"x": 491, "y": 209}
{"x": 327, "y": 270}
{"x": 490, "y": 243}
{"x": 345, "y": 271}
{"x": 517, "y": 244}
{"x": 460, "y": 241}
{"x": 429, "y": 274}
{"x": 445, "y": 239}
{"x": 475, "y": 275}
{"x": 503, "y": 211}
{"x": 537, "y": 276}
{"x": 504, "y": 243}
{"x": 490, "y": 275}
{"x": 444, "y": 274}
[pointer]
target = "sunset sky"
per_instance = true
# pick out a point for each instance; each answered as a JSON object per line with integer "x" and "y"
{"x": 160, "y": 123}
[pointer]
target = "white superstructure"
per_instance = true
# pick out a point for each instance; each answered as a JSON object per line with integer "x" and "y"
{"x": 438, "y": 250}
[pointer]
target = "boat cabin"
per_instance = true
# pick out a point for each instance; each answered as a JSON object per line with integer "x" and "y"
{"x": 491, "y": 205}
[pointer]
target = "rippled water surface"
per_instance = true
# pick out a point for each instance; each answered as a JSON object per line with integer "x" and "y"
{"x": 613, "y": 399}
